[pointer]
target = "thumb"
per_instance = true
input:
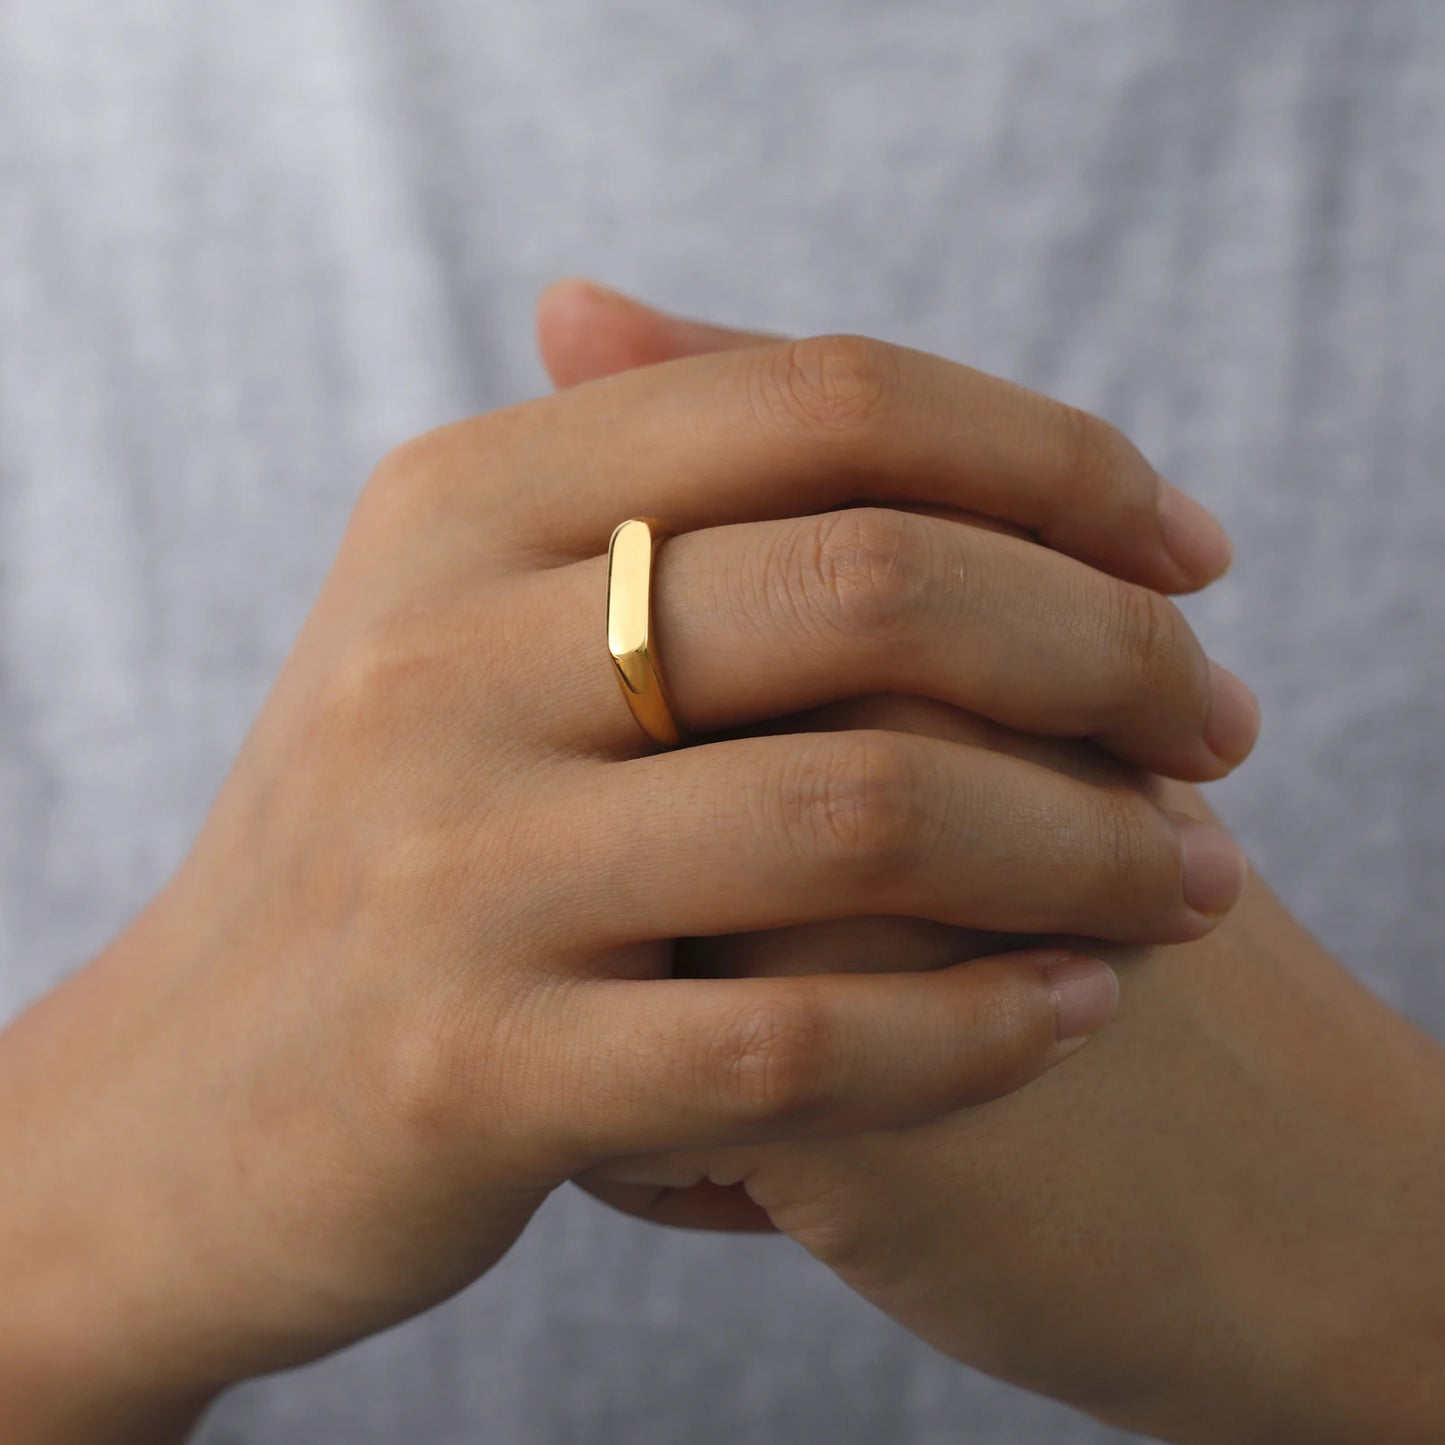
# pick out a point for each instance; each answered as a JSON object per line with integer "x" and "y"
{"x": 666, "y": 1064}
{"x": 585, "y": 331}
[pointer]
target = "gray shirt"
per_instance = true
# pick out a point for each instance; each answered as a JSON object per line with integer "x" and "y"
{"x": 244, "y": 249}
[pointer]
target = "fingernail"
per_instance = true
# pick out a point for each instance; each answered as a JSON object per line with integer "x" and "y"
{"x": 1085, "y": 994}
{"x": 1192, "y": 537}
{"x": 1214, "y": 866}
{"x": 1232, "y": 725}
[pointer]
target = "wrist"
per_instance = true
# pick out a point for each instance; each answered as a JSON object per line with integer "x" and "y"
{"x": 48, "y": 1397}
{"x": 1358, "y": 1344}
{"x": 1344, "y": 1294}
{"x": 1319, "y": 1274}
{"x": 89, "y": 1351}
{"x": 71, "y": 1367}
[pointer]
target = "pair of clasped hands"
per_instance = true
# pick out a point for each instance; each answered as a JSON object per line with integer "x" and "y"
{"x": 455, "y": 932}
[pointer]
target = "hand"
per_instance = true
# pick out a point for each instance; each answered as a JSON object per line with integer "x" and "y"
{"x": 1219, "y": 1225}
{"x": 414, "y": 972}
{"x": 586, "y": 332}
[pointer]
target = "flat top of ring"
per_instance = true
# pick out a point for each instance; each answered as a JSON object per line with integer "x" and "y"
{"x": 629, "y": 585}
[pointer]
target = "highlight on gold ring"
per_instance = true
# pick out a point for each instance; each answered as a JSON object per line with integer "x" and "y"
{"x": 630, "y": 643}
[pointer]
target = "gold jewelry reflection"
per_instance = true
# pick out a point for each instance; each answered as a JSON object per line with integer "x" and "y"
{"x": 630, "y": 556}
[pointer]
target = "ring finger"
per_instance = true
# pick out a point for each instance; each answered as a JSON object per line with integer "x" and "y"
{"x": 761, "y": 619}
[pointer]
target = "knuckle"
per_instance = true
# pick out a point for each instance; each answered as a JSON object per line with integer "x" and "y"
{"x": 400, "y": 482}
{"x": 481, "y": 860}
{"x": 404, "y": 464}
{"x": 1126, "y": 845}
{"x": 868, "y": 570}
{"x": 858, "y": 802}
{"x": 422, "y": 866}
{"x": 830, "y": 384}
{"x": 416, "y": 1075}
{"x": 772, "y": 1061}
{"x": 428, "y": 1077}
{"x": 1097, "y": 455}
{"x": 1149, "y": 636}
{"x": 1004, "y": 1026}
{"x": 387, "y": 666}
{"x": 450, "y": 473}
{"x": 455, "y": 1053}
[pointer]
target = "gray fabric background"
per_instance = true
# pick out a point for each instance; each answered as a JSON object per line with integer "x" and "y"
{"x": 246, "y": 248}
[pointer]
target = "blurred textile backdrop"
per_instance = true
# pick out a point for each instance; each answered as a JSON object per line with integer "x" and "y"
{"x": 245, "y": 249}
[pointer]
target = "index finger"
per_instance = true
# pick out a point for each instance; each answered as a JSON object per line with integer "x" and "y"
{"x": 800, "y": 426}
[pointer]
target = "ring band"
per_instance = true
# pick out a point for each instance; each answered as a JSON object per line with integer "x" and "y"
{"x": 630, "y": 644}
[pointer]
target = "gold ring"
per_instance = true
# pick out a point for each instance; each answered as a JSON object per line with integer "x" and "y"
{"x": 630, "y": 644}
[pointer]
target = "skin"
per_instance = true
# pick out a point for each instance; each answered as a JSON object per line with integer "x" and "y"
{"x": 417, "y": 969}
{"x": 1219, "y": 1224}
